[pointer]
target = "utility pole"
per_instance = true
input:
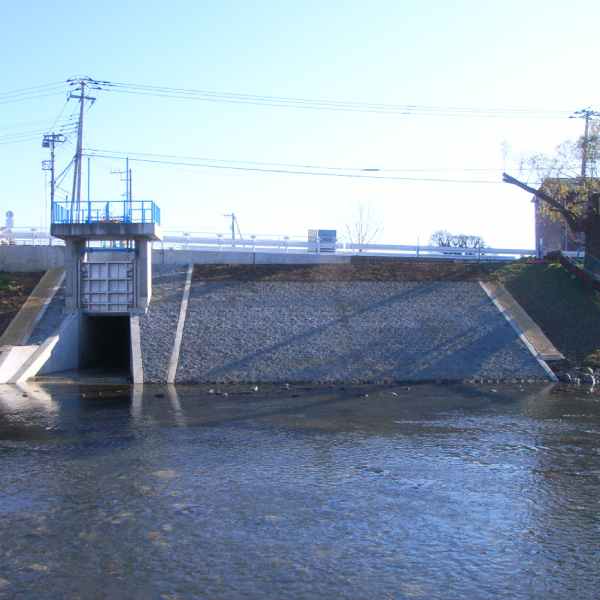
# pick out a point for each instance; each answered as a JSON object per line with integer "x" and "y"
{"x": 234, "y": 224}
{"x": 50, "y": 140}
{"x": 586, "y": 114}
{"x": 76, "y": 197}
{"x": 128, "y": 192}
{"x": 232, "y": 215}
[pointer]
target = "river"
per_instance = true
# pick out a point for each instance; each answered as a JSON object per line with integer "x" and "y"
{"x": 420, "y": 492}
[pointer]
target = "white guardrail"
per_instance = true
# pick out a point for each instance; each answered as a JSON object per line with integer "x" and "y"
{"x": 281, "y": 244}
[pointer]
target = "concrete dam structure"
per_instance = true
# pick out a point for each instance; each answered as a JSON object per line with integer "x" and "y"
{"x": 291, "y": 319}
{"x": 264, "y": 324}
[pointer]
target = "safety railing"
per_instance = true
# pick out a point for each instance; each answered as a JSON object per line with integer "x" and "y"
{"x": 203, "y": 241}
{"x": 114, "y": 211}
{"x": 583, "y": 266}
{"x": 302, "y": 245}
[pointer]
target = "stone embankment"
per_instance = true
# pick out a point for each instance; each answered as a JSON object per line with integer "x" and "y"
{"x": 272, "y": 327}
{"x": 159, "y": 324}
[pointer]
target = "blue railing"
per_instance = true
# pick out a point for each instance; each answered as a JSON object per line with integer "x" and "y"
{"x": 117, "y": 211}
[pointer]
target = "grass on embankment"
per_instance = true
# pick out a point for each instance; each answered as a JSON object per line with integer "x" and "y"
{"x": 14, "y": 290}
{"x": 566, "y": 310}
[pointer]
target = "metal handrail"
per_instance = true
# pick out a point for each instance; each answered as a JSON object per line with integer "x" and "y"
{"x": 113, "y": 211}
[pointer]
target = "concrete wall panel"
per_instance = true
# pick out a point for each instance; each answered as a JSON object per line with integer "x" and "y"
{"x": 27, "y": 259}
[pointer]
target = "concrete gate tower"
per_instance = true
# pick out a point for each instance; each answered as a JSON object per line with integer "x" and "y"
{"x": 108, "y": 255}
{"x": 108, "y": 271}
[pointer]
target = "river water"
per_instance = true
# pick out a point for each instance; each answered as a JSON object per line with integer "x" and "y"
{"x": 430, "y": 492}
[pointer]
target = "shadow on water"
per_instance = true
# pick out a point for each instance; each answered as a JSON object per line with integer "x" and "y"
{"x": 94, "y": 374}
{"x": 323, "y": 408}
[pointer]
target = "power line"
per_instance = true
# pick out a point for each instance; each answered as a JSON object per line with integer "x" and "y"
{"x": 33, "y": 90}
{"x": 400, "y": 109}
{"x": 315, "y": 171}
{"x": 27, "y": 124}
{"x": 41, "y": 91}
{"x": 117, "y": 154}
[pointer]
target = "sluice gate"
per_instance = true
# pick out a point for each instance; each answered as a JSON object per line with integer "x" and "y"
{"x": 107, "y": 283}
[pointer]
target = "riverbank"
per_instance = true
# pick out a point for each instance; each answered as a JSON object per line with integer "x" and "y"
{"x": 566, "y": 310}
{"x": 353, "y": 323}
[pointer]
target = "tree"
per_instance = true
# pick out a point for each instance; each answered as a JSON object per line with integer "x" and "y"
{"x": 445, "y": 239}
{"x": 363, "y": 226}
{"x": 440, "y": 237}
{"x": 568, "y": 185}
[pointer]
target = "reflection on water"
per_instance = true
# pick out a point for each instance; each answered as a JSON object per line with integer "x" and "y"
{"x": 429, "y": 492}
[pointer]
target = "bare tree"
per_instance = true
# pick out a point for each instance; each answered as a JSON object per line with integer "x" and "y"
{"x": 445, "y": 239}
{"x": 440, "y": 237}
{"x": 363, "y": 226}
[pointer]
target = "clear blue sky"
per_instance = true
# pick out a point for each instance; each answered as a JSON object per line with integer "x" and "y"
{"x": 478, "y": 55}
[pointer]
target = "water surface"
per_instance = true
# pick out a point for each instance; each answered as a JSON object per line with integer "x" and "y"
{"x": 440, "y": 492}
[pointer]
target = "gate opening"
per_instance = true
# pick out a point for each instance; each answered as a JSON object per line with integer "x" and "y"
{"x": 107, "y": 344}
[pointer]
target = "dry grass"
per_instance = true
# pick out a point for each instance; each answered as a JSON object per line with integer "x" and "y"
{"x": 364, "y": 271}
{"x": 14, "y": 290}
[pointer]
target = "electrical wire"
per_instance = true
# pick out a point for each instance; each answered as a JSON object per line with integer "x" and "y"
{"x": 306, "y": 103}
{"x": 33, "y": 90}
{"x": 42, "y": 91}
{"x": 266, "y": 168}
{"x": 121, "y": 154}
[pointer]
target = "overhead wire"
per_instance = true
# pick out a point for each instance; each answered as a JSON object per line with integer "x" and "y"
{"x": 307, "y": 103}
{"x": 133, "y": 155}
{"x": 70, "y": 124}
{"x": 22, "y": 95}
{"x": 267, "y": 168}
{"x": 33, "y": 90}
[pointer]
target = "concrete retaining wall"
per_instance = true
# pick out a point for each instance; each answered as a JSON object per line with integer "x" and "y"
{"x": 42, "y": 258}
{"x": 65, "y": 354}
{"x": 211, "y": 257}
{"x": 27, "y": 259}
